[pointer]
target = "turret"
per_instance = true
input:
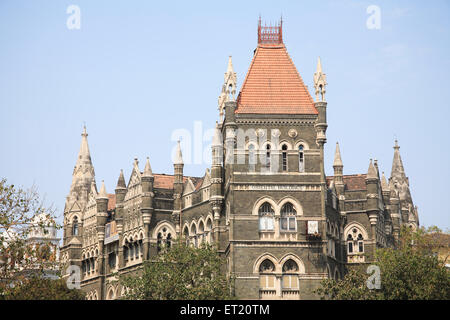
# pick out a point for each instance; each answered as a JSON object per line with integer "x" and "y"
{"x": 121, "y": 191}
{"x": 372, "y": 198}
{"x": 228, "y": 89}
{"x": 147, "y": 204}
{"x": 216, "y": 173}
{"x": 177, "y": 187}
{"x": 338, "y": 167}
{"x": 400, "y": 183}
{"x": 82, "y": 177}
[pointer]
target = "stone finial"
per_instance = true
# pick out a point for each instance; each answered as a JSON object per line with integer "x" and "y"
{"x": 102, "y": 194}
{"x": 228, "y": 88}
{"x": 178, "y": 155}
{"x": 121, "y": 181}
{"x": 148, "y": 169}
{"x": 337, "y": 157}
{"x": 372, "y": 172}
{"x": 384, "y": 184}
{"x": 320, "y": 82}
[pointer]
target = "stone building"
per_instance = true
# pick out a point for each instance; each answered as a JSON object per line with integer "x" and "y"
{"x": 281, "y": 224}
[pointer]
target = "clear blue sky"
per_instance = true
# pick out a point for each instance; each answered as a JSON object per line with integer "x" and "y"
{"x": 138, "y": 70}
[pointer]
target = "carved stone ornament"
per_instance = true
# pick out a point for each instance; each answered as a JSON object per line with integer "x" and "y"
{"x": 292, "y": 133}
{"x": 275, "y": 133}
{"x": 261, "y": 132}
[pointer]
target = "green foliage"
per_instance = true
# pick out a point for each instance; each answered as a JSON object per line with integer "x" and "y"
{"x": 181, "y": 272}
{"x": 20, "y": 212}
{"x": 38, "y": 288}
{"x": 412, "y": 271}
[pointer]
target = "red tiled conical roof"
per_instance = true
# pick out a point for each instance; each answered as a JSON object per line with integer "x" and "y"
{"x": 273, "y": 84}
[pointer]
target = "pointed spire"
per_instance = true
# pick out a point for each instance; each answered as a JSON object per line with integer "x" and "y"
{"x": 337, "y": 157}
{"x": 384, "y": 184}
{"x": 320, "y": 82}
{"x": 148, "y": 169}
{"x": 178, "y": 155}
{"x": 121, "y": 181}
{"x": 319, "y": 65}
{"x": 372, "y": 172}
{"x": 83, "y": 174}
{"x": 397, "y": 165}
{"x": 84, "y": 156}
{"x": 228, "y": 89}
{"x": 230, "y": 67}
{"x": 136, "y": 166}
{"x": 102, "y": 194}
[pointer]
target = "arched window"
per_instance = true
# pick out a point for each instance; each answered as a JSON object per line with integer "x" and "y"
{"x": 208, "y": 230}
{"x": 284, "y": 161}
{"x": 287, "y": 221}
{"x": 112, "y": 260}
{"x": 125, "y": 253}
{"x": 349, "y": 244}
{"x": 201, "y": 232}
{"x": 266, "y": 214}
{"x": 266, "y": 276}
{"x": 194, "y": 235}
{"x": 75, "y": 226}
{"x": 111, "y": 295}
{"x": 290, "y": 275}
{"x": 169, "y": 240}
{"x": 158, "y": 242}
{"x": 186, "y": 235}
{"x": 301, "y": 159}
{"x": 137, "y": 249}
{"x": 268, "y": 156}
{"x": 355, "y": 241}
{"x": 131, "y": 250}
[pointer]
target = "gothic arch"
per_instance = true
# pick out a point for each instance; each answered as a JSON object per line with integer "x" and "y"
{"x": 209, "y": 221}
{"x": 260, "y": 201}
{"x": 193, "y": 225}
{"x": 287, "y": 143}
{"x": 290, "y": 256}
{"x": 164, "y": 224}
{"x": 337, "y": 274}
{"x": 298, "y": 207}
{"x": 301, "y": 142}
{"x": 111, "y": 295}
{"x": 264, "y": 144}
{"x": 263, "y": 257}
{"x": 358, "y": 226}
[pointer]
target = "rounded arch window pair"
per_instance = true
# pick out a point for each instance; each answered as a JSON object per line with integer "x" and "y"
{"x": 289, "y": 278}
{"x": 287, "y": 220}
{"x": 355, "y": 241}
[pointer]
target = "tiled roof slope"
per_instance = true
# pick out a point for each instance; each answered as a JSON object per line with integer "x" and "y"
{"x": 352, "y": 181}
{"x": 111, "y": 201}
{"x": 273, "y": 85}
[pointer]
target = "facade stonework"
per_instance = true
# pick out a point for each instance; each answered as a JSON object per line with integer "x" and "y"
{"x": 281, "y": 224}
